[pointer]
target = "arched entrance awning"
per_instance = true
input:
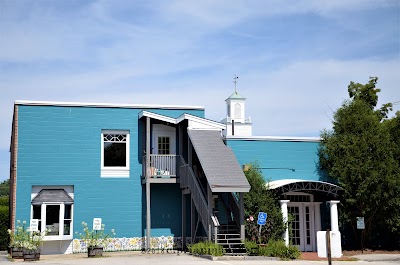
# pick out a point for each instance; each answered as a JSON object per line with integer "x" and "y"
{"x": 296, "y": 185}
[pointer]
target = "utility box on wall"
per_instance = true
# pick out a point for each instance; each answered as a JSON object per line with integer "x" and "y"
{"x": 336, "y": 244}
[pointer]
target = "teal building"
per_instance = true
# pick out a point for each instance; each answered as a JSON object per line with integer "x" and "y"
{"x": 160, "y": 176}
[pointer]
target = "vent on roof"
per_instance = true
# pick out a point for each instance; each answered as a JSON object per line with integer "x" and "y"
{"x": 50, "y": 195}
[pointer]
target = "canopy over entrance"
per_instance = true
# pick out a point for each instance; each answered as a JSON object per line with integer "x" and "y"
{"x": 296, "y": 185}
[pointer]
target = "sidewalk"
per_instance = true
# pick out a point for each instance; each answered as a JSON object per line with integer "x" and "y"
{"x": 137, "y": 258}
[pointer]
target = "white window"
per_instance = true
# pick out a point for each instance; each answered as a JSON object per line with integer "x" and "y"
{"x": 114, "y": 153}
{"x": 53, "y": 208}
{"x": 238, "y": 111}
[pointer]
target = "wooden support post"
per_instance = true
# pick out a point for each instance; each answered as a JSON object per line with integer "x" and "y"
{"x": 242, "y": 227}
{"x": 148, "y": 217}
{"x": 192, "y": 220}
{"x": 328, "y": 246}
{"x": 183, "y": 221}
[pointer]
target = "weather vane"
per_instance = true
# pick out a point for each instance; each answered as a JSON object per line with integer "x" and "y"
{"x": 235, "y": 81}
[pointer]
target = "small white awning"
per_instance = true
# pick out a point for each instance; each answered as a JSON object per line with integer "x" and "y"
{"x": 293, "y": 185}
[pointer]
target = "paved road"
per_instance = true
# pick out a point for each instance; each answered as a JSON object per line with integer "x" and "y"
{"x": 135, "y": 258}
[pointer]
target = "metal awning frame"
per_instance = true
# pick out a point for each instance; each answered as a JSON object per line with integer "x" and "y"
{"x": 306, "y": 185}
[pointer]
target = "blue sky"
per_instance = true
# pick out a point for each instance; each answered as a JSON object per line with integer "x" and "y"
{"x": 294, "y": 59}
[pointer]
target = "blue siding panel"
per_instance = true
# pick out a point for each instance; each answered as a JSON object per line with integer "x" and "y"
{"x": 300, "y": 156}
{"x": 61, "y": 146}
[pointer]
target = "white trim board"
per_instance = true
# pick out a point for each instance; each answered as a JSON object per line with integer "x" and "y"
{"x": 104, "y": 105}
{"x": 194, "y": 121}
{"x": 275, "y": 138}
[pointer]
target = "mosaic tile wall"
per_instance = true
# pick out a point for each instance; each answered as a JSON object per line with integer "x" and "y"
{"x": 135, "y": 243}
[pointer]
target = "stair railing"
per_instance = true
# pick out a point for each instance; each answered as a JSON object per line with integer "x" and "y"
{"x": 188, "y": 180}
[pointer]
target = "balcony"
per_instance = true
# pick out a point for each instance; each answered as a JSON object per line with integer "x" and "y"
{"x": 162, "y": 168}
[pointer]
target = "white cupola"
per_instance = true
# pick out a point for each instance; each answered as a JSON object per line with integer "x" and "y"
{"x": 236, "y": 122}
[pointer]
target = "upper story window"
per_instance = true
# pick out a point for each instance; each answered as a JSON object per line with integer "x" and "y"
{"x": 114, "y": 153}
{"x": 163, "y": 145}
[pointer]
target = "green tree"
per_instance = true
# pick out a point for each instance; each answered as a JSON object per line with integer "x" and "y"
{"x": 261, "y": 199}
{"x": 5, "y": 188}
{"x": 4, "y": 213}
{"x": 359, "y": 153}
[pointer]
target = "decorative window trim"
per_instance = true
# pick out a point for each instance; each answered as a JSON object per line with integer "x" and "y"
{"x": 115, "y": 172}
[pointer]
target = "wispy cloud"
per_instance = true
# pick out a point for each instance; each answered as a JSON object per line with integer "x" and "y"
{"x": 294, "y": 58}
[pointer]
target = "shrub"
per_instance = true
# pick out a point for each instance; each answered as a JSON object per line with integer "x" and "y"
{"x": 280, "y": 250}
{"x": 251, "y": 248}
{"x": 4, "y": 223}
{"x": 273, "y": 249}
{"x": 206, "y": 248}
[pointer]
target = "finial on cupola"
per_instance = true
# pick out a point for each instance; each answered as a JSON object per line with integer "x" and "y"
{"x": 235, "y": 81}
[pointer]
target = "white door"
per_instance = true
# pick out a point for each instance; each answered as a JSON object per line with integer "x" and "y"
{"x": 164, "y": 140}
{"x": 302, "y": 226}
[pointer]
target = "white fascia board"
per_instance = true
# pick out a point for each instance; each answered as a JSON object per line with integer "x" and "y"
{"x": 157, "y": 116}
{"x": 208, "y": 123}
{"x": 275, "y": 138}
{"x": 105, "y": 105}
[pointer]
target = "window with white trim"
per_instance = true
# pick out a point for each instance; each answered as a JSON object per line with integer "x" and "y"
{"x": 114, "y": 153}
{"x": 53, "y": 208}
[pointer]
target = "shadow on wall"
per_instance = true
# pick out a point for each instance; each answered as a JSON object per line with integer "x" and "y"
{"x": 166, "y": 208}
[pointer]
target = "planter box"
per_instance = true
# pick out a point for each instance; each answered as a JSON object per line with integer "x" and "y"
{"x": 31, "y": 255}
{"x": 95, "y": 252}
{"x": 17, "y": 253}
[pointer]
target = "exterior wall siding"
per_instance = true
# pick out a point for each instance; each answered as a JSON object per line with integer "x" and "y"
{"x": 61, "y": 146}
{"x": 279, "y": 157}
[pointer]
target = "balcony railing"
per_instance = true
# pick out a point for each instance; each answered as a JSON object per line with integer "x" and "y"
{"x": 229, "y": 119}
{"x": 162, "y": 166}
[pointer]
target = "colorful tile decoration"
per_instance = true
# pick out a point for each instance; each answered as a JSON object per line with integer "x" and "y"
{"x": 135, "y": 243}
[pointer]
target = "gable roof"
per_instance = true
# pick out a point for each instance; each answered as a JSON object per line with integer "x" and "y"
{"x": 195, "y": 122}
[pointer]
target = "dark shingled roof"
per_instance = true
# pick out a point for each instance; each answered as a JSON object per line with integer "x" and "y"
{"x": 218, "y": 161}
{"x": 50, "y": 195}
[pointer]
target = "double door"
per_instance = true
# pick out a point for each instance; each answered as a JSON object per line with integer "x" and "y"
{"x": 302, "y": 226}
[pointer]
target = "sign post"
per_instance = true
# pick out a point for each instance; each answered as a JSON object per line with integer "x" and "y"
{"x": 34, "y": 225}
{"x": 361, "y": 226}
{"x": 262, "y": 219}
{"x": 96, "y": 223}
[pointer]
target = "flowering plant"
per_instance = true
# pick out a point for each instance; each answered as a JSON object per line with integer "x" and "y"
{"x": 19, "y": 235}
{"x": 95, "y": 238}
{"x": 22, "y": 237}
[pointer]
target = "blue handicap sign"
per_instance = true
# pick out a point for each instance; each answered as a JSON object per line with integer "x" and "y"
{"x": 262, "y": 218}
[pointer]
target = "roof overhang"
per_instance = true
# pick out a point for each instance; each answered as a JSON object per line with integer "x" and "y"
{"x": 194, "y": 121}
{"x": 296, "y": 185}
{"x": 52, "y": 195}
{"x": 104, "y": 105}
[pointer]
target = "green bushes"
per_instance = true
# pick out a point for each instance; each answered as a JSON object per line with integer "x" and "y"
{"x": 272, "y": 249}
{"x": 4, "y": 221}
{"x": 206, "y": 248}
{"x": 251, "y": 248}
